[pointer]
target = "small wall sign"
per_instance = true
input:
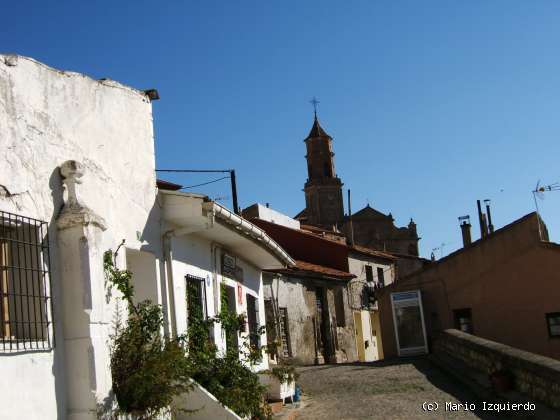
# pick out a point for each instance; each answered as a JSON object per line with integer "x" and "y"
{"x": 228, "y": 265}
{"x": 239, "y": 294}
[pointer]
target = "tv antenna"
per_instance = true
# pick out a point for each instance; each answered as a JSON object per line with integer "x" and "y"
{"x": 538, "y": 192}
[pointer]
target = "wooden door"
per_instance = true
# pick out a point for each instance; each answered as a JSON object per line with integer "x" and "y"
{"x": 359, "y": 336}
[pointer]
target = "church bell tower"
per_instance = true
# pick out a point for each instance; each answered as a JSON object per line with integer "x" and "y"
{"x": 323, "y": 189}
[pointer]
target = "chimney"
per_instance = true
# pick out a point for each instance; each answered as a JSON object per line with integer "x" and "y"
{"x": 485, "y": 224}
{"x": 481, "y": 221}
{"x": 465, "y": 222}
{"x": 490, "y": 225}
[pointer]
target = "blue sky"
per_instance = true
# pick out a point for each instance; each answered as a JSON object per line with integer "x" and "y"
{"x": 431, "y": 104}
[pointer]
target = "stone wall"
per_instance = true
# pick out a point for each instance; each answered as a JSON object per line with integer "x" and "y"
{"x": 534, "y": 376}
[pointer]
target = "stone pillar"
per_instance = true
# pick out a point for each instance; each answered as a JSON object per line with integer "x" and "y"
{"x": 82, "y": 299}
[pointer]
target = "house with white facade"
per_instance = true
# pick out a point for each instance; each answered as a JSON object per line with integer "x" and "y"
{"x": 77, "y": 177}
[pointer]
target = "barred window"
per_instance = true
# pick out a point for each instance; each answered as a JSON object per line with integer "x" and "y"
{"x": 196, "y": 297}
{"x": 25, "y": 298}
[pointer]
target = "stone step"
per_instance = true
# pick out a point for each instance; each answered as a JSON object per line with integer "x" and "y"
{"x": 276, "y": 406}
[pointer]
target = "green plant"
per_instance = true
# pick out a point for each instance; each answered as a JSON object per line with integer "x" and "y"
{"x": 147, "y": 369}
{"x": 226, "y": 376}
{"x": 285, "y": 372}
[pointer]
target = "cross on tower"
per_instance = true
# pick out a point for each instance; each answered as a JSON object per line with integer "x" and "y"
{"x": 314, "y": 101}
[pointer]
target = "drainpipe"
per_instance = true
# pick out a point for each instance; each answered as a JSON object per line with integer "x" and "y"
{"x": 168, "y": 256}
{"x": 214, "y": 246}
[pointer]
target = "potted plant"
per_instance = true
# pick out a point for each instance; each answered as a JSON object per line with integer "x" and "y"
{"x": 280, "y": 382}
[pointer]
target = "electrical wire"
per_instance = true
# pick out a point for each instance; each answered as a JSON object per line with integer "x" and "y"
{"x": 205, "y": 183}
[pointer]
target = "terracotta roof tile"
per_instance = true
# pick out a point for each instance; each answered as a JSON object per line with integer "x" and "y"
{"x": 307, "y": 267}
{"x": 372, "y": 252}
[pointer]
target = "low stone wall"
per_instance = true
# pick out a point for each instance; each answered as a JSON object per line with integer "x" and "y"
{"x": 535, "y": 376}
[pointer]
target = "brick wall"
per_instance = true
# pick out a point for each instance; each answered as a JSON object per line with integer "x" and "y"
{"x": 535, "y": 376}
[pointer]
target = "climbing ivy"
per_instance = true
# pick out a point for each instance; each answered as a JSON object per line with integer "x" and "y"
{"x": 224, "y": 375}
{"x": 149, "y": 369}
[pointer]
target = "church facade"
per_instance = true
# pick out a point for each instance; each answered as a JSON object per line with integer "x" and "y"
{"x": 324, "y": 204}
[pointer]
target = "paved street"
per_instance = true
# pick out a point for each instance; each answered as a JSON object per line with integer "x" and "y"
{"x": 381, "y": 390}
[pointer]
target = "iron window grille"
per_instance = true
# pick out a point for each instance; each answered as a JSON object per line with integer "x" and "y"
{"x": 25, "y": 284}
{"x": 196, "y": 297}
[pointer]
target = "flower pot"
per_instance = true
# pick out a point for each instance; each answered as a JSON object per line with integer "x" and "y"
{"x": 276, "y": 389}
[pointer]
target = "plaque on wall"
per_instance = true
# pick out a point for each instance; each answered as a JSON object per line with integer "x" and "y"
{"x": 229, "y": 265}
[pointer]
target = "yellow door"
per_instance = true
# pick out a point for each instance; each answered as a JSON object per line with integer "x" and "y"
{"x": 376, "y": 332}
{"x": 359, "y": 337}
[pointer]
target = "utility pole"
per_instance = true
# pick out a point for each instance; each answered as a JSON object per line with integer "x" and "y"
{"x": 234, "y": 191}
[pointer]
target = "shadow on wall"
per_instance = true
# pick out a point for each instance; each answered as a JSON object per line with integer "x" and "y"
{"x": 55, "y": 185}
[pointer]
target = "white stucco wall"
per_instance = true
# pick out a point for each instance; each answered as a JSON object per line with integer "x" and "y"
{"x": 47, "y": 117}
{"x": 357, "y": 266}
{"x": 193, "y": 255}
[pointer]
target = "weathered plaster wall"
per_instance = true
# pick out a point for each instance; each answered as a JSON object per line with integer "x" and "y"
{"x": 47, "y": 117}
{"x": 291, "y": 294}
{"x": 298, "y": 295}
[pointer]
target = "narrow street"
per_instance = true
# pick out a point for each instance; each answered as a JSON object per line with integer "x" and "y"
{"x": 382, "y": 390}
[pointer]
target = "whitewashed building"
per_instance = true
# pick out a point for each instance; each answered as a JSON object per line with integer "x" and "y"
{"x": 95, "y": 137}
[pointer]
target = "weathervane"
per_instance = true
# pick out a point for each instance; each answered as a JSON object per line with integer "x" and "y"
{"x": 314, "y": 101}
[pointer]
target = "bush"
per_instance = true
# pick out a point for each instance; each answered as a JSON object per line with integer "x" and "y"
{"x": 147, "y": 369}
{"x": 226, "y": 376}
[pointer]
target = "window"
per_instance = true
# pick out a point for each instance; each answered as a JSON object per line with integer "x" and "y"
{"x": 369, "y": 273}
{"x": 24, "y": 284}
{"x": 463, "y": 320}
{"x": 196, "y": 297}
{"x": 229, "y": 304}
{"x": 284, "y": 332}
{"x": 253, "y": 321}
{"x": 553, "y": 323}
{"x": 380, "y": 276}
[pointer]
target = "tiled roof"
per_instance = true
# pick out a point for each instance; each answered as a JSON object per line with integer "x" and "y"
{"x": 166, "y": 185}
{"x": 372, "y": 252}
{"x": 320, "y": 230}
{"x": 304, "y": 267}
